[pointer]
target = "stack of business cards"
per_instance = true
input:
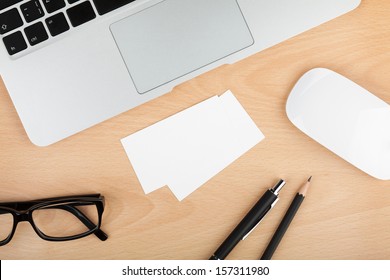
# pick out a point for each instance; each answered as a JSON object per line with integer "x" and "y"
{"x": 187, "y": 149}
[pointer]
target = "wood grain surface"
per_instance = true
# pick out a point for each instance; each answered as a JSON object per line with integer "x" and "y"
{"x": 346, "y": 214}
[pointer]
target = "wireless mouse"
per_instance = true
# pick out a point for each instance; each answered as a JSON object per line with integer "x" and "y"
{"x": 345, "y": 118}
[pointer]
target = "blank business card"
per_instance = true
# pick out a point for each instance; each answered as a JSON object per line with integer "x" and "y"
{"x": 187, "y": 149}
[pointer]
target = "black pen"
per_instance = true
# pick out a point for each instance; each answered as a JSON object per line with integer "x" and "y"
{"x": 250, "y": 221}
{"x": 288, "y": 217}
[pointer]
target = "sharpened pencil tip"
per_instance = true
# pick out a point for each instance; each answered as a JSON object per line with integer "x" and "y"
{"x": 304, "y": 188}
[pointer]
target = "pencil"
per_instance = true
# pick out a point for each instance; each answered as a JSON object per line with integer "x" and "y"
{"x": 284, "y": 224}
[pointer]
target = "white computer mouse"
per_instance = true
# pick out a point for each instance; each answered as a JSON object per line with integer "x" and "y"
{"x": 345, "y": 118}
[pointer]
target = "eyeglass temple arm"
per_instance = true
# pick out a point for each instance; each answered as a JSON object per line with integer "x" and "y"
{"x": 25, "y": 205}
{"x": 84, "y": 219}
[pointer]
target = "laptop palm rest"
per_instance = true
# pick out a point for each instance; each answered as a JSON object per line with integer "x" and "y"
{"x": 176, "y": 37}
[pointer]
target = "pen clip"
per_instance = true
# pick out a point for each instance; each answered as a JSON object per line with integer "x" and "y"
{"x": 272, "y": 205}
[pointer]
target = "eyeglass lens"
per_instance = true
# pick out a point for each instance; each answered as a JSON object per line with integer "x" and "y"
{"x": 62, "y": 221}
{"x": 6, "y": 224}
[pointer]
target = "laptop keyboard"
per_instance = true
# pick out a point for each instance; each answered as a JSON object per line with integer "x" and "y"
{"x": 26, "y": 23}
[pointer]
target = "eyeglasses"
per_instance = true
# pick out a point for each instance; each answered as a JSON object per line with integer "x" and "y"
{"x": 55, "y": 219}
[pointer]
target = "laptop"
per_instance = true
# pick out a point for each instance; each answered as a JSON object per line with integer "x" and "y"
{"x": 71, "y": 64}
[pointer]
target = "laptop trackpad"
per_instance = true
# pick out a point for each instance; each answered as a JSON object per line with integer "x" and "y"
{"x": 176, "y": 37}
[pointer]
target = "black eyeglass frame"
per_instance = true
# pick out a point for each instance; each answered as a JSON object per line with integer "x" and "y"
{"x": 22, "y": 211}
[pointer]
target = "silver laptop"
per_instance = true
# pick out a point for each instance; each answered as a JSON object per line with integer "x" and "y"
{"x": 70, "y": 64}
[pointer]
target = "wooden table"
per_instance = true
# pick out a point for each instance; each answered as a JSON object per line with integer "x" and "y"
{"x": 346, "y": 214}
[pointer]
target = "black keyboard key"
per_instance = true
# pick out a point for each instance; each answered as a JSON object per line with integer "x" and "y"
{"x": 10, "y": 20}
{"x": 8, "y": 3}
{"x": 57, "y": 24}
{"x": 53, "y": 5}
{"x": 106, "y": 6}
{"x": 15, "y": 43}
{"x": 32, "y": 10}
{"x": 81, "y": 13}
{"x": 72, "y": 1}
{"x": 36, "y": 33}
